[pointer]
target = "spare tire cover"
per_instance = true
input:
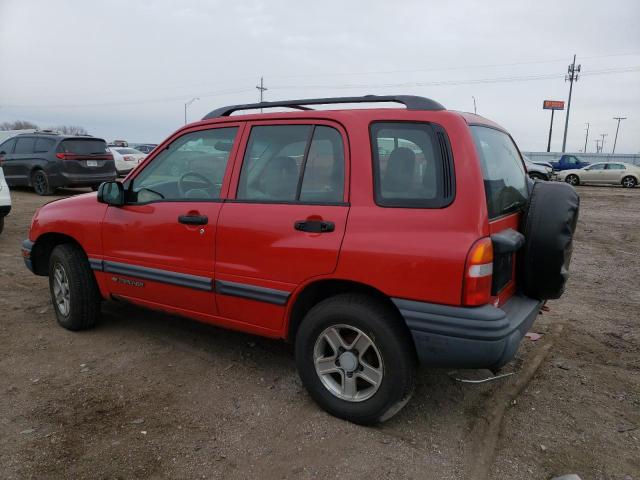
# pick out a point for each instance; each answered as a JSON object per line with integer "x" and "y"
{"x": 549, "y": 223}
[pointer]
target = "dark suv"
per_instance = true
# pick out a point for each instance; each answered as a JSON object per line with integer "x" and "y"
{"x": 47, "y": 161}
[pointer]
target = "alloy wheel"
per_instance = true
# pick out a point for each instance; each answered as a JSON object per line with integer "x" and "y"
{"x": 348, "y": 363}
{"x": 61, "y": 293}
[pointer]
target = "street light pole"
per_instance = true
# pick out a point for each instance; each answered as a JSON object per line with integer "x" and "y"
{"x": 186, "y": 105}
{"x": 474, "y": 105}
{"x": 617, "y": 128}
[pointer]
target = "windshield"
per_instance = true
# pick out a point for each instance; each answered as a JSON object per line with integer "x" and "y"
{"x": 504, "y": 176}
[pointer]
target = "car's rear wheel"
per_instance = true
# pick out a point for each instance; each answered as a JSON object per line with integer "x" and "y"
{"x": 572, "y": 180}
{"x": 74, "y": 292}
{"x": 355, "y": 358}
{"x": 1, "y": 224}
{"x": 629, "y": 182}
{"x": 40, "y": 183}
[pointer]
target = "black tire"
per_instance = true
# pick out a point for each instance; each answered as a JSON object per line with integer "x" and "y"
{"x": 572, "y": 180}
{"x": 537, "y": 176}
{"x": 1, "y": 224}
{"x": 549, "y": 224}
{"x": 40, "y": 183}
{"x": 84, "y": 297}
{"x": 629, "y": 182}
{"x": 391, "y": 341}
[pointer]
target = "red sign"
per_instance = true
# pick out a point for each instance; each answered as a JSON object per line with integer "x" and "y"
{"x": 553, "y": 105}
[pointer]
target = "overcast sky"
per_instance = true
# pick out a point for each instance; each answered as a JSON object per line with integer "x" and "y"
{"x": 124, "y": 69}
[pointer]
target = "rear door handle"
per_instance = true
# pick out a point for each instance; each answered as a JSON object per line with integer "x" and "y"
{"x": 193, "y": 219}
{"x": 314, "y": 226}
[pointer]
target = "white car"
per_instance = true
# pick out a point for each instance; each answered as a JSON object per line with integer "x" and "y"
{"x": 537, "y": 171}
{"x": 126, "y": 158}
{"x": 5, "y": 199}
{"x": 611, "y": 173}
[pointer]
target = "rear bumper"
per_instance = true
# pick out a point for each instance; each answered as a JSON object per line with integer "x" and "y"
{"x": 64, "y": 179}
{"x": 479, "y": 337}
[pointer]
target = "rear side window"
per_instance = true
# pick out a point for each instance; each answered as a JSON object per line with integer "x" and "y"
{"x": 505, "y": 182}
{"x": 83, "y": 146}
{"x": 615, "y": 166}
{"x": 24, "y": 145}
{"x": 293, "y": 163}
{"x": 44, "y": 145}
{"x": 412, "y": 165}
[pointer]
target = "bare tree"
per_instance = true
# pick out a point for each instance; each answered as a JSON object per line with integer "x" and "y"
{"x": 71, "y": 130}
{"x": 18, "y": 125}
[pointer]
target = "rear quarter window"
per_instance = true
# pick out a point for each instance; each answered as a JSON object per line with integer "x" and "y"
{"x": 412, "y": 165}
{"x": 505, "y": 181}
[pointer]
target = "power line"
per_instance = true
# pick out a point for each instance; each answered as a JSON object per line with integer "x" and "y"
{"x": 489, "y": 80}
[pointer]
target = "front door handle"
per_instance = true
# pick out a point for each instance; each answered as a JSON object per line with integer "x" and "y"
{"x": 193, "y": 219}
{"x": 314, "y": 226}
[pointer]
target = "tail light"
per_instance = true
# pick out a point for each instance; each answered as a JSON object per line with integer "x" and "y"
{"x": 478, "y": 274}
{"x": 62, "y": 156}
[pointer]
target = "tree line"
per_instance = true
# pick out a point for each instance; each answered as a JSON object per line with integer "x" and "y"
{"x": 26, "y": 125}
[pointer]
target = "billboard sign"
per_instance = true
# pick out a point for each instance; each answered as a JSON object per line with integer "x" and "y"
{"x": 553, "y": 105}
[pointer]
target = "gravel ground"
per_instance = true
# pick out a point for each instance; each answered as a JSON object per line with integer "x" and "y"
{"x": 148, "y": 395}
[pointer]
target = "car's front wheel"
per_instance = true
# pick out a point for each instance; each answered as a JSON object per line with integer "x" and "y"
{"x": 537, "y": 176}
{"x": 356, "y": 359}
{"x": 74, "y": 292}
{"x": 629, "y": 182}
{"x": 572, "y": 180}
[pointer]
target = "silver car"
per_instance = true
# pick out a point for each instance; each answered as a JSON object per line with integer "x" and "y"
{"x": 5, "y": 200}
{"x": 611, "y": 173}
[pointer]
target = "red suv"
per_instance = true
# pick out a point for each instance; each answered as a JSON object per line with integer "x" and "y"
{"x": 373, "y": 238}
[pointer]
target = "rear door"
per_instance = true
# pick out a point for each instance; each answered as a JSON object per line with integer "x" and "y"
{"x": 614, "y": 173}
{"x": 285, "y": 219}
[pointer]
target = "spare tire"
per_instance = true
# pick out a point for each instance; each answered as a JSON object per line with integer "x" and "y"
{"x": 549, "y": 223}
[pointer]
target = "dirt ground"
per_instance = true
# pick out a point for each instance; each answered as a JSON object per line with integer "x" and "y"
{"x": 147, "y": 395}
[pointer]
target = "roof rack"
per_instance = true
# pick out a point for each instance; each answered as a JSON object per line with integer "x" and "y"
{"x": 412, "y": 102}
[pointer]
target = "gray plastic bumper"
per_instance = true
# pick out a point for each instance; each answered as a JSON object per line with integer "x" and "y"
{"x": 468, "y": 337}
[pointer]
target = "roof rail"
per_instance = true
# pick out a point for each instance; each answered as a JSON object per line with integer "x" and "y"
{"x": 412, "y": 102}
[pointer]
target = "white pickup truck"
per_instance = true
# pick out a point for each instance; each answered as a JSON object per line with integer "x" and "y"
{"x": 5, "y": 200}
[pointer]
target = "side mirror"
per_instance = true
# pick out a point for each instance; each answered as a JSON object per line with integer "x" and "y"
{"x": 111, "y": 193}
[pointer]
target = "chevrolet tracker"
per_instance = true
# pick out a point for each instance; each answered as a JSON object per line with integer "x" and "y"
{"x": 374, "y": 239}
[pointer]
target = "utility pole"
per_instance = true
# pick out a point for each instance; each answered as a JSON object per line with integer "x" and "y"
{"x": 474, "y": 104}
{"x": 186, "y": 105}
{"x": 586, "y": 137}
{"x": 572, "y": 76}
{"x": 617, "y": 128}
{"x": 597, "y": 145}
{"x": 602, "y": 142}
{"x": 550, "y": 131}
{"x": 262, "y": 89}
